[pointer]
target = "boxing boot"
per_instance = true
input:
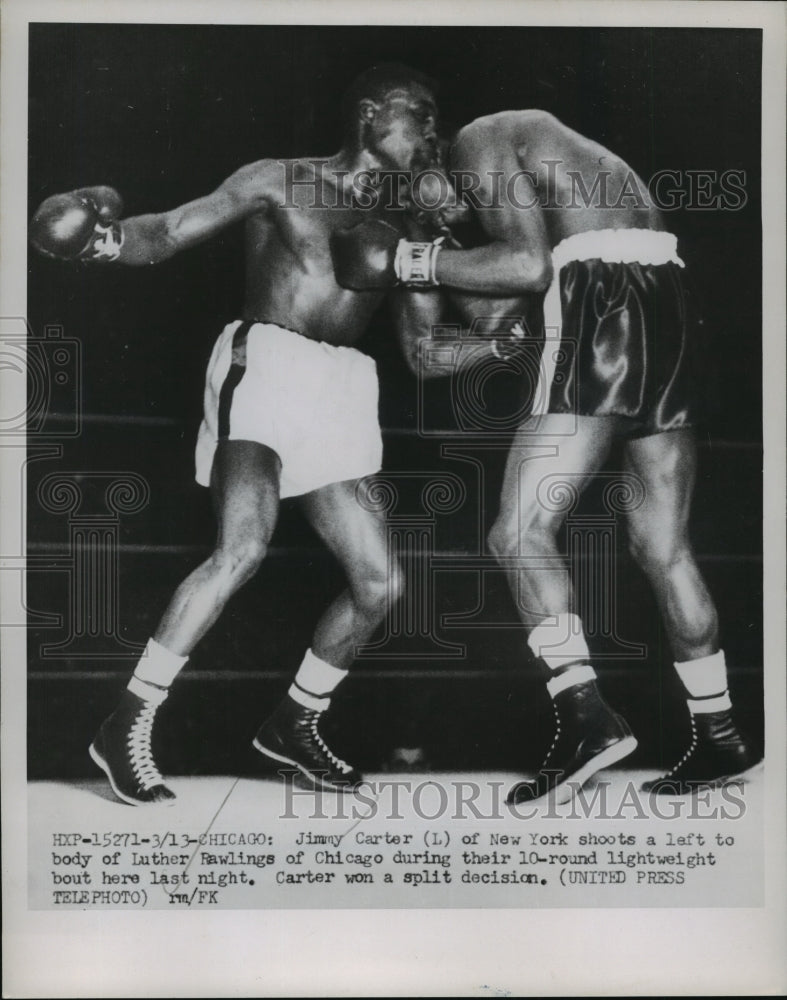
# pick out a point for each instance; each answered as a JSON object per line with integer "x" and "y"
{"x": 122, "y": 749}
{"x": 589, "y": 736}
{"x": 717, "y": 752}
{"x": 291, "y": 736}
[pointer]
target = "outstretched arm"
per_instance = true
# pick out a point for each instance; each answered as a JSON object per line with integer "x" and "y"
{"x": 85, "y": 224}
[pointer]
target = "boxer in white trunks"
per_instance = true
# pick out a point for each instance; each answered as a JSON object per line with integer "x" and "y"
{"x": 290, "y": 410}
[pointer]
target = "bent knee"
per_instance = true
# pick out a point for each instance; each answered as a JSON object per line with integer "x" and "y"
{"x": 377, "y": 589}
{"x": 533, "y": 535}
{"x": 236, "y": 564}
{"x": 658, "y": 551}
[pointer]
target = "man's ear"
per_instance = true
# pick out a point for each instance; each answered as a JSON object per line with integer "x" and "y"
{"x": 367, "y": 110}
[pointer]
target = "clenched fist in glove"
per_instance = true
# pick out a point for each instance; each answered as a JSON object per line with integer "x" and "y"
{"x": 79, "y": 225}
{"x": 373, "y": 255}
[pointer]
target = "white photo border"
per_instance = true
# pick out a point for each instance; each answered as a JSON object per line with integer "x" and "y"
{"x": 418, "y": 952}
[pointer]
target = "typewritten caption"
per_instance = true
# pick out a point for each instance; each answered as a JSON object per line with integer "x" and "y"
{"x": 329, "y": 852}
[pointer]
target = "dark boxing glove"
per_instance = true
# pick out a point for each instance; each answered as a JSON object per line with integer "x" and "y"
{"x": 79, "y": 225}
{"x": 373, "y": 255}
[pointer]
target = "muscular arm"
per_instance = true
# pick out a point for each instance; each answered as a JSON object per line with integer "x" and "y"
{"x": 416, "y": 314}
{"x": 518, "y": 259}
{"x": 85, "y": 224}
{"x": 491, "y": 331}
{"x": 480, "y": 325}
{"x": 149, "y": 239}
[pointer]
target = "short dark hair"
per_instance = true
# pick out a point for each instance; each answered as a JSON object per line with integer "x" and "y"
{"x": 376, "y": 83}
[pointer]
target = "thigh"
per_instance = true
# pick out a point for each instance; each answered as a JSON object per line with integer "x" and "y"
{"x": 550, "y": 463}
{"x": 355, "y": 535}
{"x": 244, "y": 486}
{"x": 666, "y": 466}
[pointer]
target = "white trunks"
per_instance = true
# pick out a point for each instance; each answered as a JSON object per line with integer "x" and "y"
{"x": 314, "y": 404}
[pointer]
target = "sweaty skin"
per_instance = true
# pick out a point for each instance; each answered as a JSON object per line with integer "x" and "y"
{"x": 546, "y": 182}
{"x": 290, "y": 282}
{"x": 552, "y": 172}
{"x": 289, "y": 271}
{"x": 532, "y": 181}
{"x": 390, "y": 121}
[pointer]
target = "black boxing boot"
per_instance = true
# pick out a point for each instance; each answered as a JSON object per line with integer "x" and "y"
{"x": 717, "y": 753}
{"x": 589, "y": 737}
{"x": 122, "y": 748}
{"x": 291, "y": 736}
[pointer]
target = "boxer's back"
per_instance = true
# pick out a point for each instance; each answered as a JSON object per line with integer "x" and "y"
{"x": 580, "y": 185}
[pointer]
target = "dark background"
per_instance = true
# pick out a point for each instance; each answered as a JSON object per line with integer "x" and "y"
{"x": 164, "y": 114}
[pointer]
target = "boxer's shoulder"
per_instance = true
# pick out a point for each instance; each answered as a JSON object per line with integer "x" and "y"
{"x": 490, "y": 134}
{"x": 502, "y": 122}
{"x": 255, "y": 183}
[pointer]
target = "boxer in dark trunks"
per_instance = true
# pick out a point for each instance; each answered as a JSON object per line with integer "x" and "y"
{"x": 565, "y": 217}
{"x": 290, "y": 409}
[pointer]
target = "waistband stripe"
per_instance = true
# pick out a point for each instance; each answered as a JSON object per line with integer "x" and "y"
{"x": 619, "y": 246}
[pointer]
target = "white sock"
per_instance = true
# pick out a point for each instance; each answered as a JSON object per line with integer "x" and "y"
{"x": 315, "y": 682}
{"x": 156, "y": 670}
{"x": 705, "y": 680}
{"x": 561, "y": 644}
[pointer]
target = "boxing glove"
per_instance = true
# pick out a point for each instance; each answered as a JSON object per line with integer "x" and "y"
{"x": 373, "y": 255}
{"x": 79, "y": 225}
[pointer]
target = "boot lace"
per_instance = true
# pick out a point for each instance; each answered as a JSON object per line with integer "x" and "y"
{"x": 689, "y": 752}
{"x": 140, "y": 752}
{"x": 337, "y": 762}
{"x": 555, "y": 738}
